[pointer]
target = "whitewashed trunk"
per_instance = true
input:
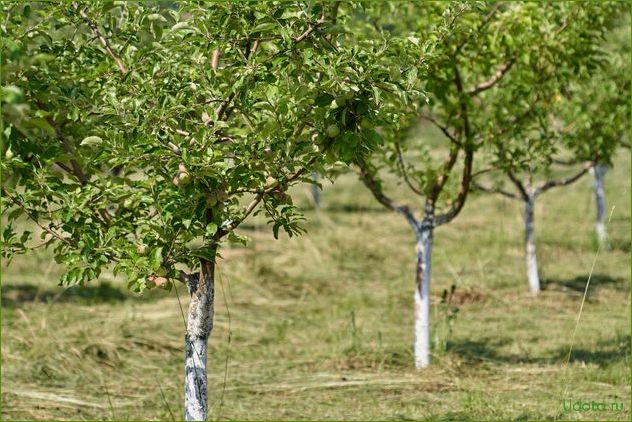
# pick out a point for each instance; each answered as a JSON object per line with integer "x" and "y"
{"x": 599, "y": 172}
{"x": 530, "y": 254}
{"x": 199, "y": 328}
{"x": 422, "y": 294}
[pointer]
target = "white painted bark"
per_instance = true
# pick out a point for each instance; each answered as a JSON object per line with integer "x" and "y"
{"x": 599, "y": 172}
{"x": 530, "y": 252}
{"x": 422, "y": 294}
{"x": 199, "y": 328}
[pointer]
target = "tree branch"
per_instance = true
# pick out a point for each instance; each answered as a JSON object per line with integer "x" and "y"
{"x": 562, "y": 162}
{"x": 563, "y": 182}
{"x": 443, "y": 129}
{"x": 496, "y": 77}
{"x": 448, "y": 165}
{"x": 30, "y": 216}
{"x": 99, "y": 35}
{"x": 519, "y": 185}
{"x": 67, "y": 147}
{"x": 482, "y": 188}
{"x": 458, "y": 81}
{"x": 458, "y": 204}
{"x": 369, "y": 181}
{"x": 402, "y": 167}
{"x": 223, "y": 231}
{"x": 487, "y": 19}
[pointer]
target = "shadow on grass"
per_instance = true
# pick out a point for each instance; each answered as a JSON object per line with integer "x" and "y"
{"x": 620, "y": 245}
{"x": 606, "y": 353}
{"x": 352, "y": 208}
{"x": 15, "y": 295}
{"x": 578, "y": 284}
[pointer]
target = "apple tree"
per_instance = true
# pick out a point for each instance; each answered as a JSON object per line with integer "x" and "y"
{"x": 139, "y": 136}
{"x": 492, "y": 66}
{"x": 581, "y": 126}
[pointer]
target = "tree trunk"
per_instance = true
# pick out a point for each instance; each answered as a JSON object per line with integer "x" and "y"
{"x": 530, "y": 255}
{"x": 599, "y": 172}
{"x": 315, "y": 191}
{"x": 199, "y": 328}
{"x": 422, "y": 294}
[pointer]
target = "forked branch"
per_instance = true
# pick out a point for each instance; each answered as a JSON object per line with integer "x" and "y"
{"x": 104, "y": 41}
{"x": 496, "y": 77}
{"x": 372, "y": 184}
{"x": 563, "y": 182}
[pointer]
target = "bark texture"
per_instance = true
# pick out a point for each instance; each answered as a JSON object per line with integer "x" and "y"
{"x": 599, "y": 172}
{"x": 422, "y": 294}
{"x": 315, "y": 191}
{"x": 530, "y": 252}
{"x": 199, "y": 328}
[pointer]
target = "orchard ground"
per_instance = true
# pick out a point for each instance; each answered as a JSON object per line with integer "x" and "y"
{"x": 320, "y": 327}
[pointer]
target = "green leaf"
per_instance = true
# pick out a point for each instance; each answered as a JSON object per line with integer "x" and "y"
{"x": 264, "y": 27}
{"x": 92, "y": 141}
{"x": 156, "y": 17}
{"x": 323, "y": 100}
{"x": 413, "y": 40}
{"x": 211, "y": 229}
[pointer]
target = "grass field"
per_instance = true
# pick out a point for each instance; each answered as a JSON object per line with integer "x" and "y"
{"x": 320, "y": 327}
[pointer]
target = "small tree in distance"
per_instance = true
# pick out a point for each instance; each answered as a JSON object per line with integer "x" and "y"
{"x": 581, "y": 127}
{"x": 209, "y": 113}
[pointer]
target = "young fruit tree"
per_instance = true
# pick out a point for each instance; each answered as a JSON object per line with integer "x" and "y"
{"x": 581, "y": 127}
{"x": 490, "y": 67}
{"x": 606, "y": 97}
{"x": 140, "y": 135}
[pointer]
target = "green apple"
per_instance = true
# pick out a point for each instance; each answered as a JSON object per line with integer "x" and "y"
{"x": 9, "y": 154}
{"x": 211, "y": 199}
{"x": 333, "y": 130}
{"x": 184, "y": 178}
{"x": 366, "y": 124}
{"x": 271, "y": 182}
{"x": 128, "y": 203}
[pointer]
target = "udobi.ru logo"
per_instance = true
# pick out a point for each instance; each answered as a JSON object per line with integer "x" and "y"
{"x": 591, "y": 406}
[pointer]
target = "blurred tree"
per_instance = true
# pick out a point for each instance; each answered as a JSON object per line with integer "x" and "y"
{"x": 582, "y": 126}
{"x": 494, "y": 68}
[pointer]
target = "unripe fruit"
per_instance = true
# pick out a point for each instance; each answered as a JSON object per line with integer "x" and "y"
{"x": 211, "y": 199}
{"x": 176, "y": 181}
{"x": 9, "y": 154}
{"x": 271, "y": 182}
{"x": 222, "y": 195}
{"x": 333, "y": 130}
{"x": 184, "y": 178}
{"x": 128, "y": 203}
{"x": 153, "y": 281}
{"x": 181, "y": 168}
{"x": 366, "y": 124}
{"x": 161, "y": 272}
